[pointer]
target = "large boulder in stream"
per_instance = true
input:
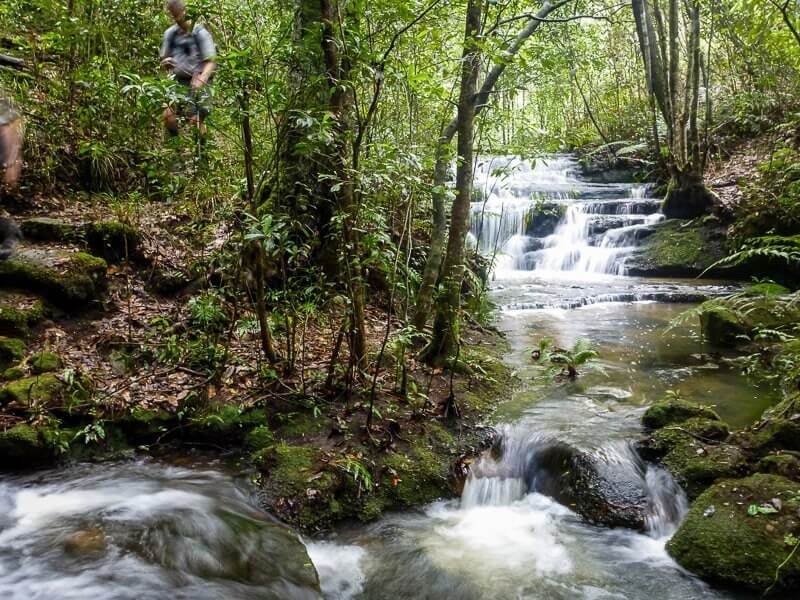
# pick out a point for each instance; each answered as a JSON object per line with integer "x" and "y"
{"x": 679, "y": 249}
{"x": 743, "y": 533}
{"x": 606, "y": 487}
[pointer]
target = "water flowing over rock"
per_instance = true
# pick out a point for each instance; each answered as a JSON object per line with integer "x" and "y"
{"x": 609, "y": 486}
{"x": 544, "y": 218}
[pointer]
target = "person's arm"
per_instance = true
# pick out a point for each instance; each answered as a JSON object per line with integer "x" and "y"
{"x": 208, "y": 53}
{"x": 11, "y": 144}
{"x": 165, "y": 53}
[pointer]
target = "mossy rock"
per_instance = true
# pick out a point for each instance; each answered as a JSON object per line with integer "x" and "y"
{"x": 785, "y": 465}
{"x": 11, "y": 351}
{"x": 302, "y": 489}
{"x": 19, "y": 312}
{"x": 775, "y": 434}
{"x": 71, "y": 281}
{"x": 722, "y": 543}
{"x": 142, "y": 425}
{"x": 678, "y": 249}
{"x": 13, "y": 373}
{"x": 44, "y": 390}
{"x": 721, "y": 326}
{"x": 259, "y": 438}
{"x": 417, "y": 476}
{"x": 225, "y": 422}
{"x": 768, "y": 289}
{"x": 45, "y": 362}
{"x": 47, "y": 229}
{"x": 688, "y": 452}
{"x": 22, "y": 446}
{"x": 114, "y": 241}
{"x": 670, "y": 411}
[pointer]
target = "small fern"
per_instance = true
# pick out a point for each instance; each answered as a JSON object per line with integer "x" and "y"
{"x": 774, "y": 247}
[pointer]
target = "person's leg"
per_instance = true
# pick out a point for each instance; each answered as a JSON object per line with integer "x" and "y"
{"x": 171, "y": 121}
{"x": 10, "y": 152}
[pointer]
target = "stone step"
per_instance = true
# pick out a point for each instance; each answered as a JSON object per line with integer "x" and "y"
{"x": 70, "y": 280}
{"x": 623, "y": 206}
{"x": 111, "y": 240}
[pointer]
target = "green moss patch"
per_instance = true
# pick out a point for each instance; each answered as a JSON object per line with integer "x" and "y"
{"x": 11, "y": 351}
{"x": 114, "y": 241}
{"x": 19, "y": 312}
{"x": 47, "y": 229}
{"x": 21, "y": 446}
{"x": 674, "y": 410}
{"x": 678, "y": 249}
{"x": 45, "y": 362}
{"x": 739, "y": 531}
{"x": 44, "y": 390}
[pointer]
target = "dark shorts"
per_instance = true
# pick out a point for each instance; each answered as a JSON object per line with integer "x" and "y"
{"x": 192, "y": 103}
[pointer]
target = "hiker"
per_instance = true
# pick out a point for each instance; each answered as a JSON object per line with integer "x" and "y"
{"x": 10, "y": 143}
{"x": 188, "y": 52}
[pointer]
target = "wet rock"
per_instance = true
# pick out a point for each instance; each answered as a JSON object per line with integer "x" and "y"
{"x": 737, "y": 545}
{"x": 603, "y": 490}
{"x": 71, "y": 281}
{"x": 607, "y": 493}
{"x": 22, "y": 446}
{"x": 670, "y": 411}
{"x": 544, "y": 218}
{"x": 694, "y": 453}
{"x": 678, "y": 249}
{"x": 86, "y": 542}
{"x": 772, "y": 434}
{"x": 721, "y": 326}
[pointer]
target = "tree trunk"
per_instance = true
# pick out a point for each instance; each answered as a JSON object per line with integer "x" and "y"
{"x": 438, "y": 196}
{"x": 445, "y": 341}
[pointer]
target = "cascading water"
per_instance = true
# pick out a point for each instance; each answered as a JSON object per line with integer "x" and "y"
{"x": 547, "y": 219}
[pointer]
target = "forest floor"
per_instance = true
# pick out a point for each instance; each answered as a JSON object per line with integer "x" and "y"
{"x": 124, "y": 364}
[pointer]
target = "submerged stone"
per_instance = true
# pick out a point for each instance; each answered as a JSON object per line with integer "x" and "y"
{"x": 747, "y": 536}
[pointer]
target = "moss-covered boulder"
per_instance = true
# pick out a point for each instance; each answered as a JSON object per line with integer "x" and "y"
{"x": 47, "y": 229}
{"x": 771, "y": 434}
{"x": 12, "y": 374}
{"x": 71, "y": 281}
{"x": 19, "y": 312}
{"x": 42, "y": 390}
{"x": 678, "y": 249}
{"x": 114, "y": 241}
{"x": 45, "y": 362}
{"x": 669, "y": 411}
{"x": 696, "y": 453}
{"x": 721, "y": 326}
{"x": 739, "y": 531}
{"x": 785, "y": 465}
{"x": 11, "y": 351}
{"x": 22, "y": 446}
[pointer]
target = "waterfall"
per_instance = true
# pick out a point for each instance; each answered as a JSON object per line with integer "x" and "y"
{"x": 545, "y": 218}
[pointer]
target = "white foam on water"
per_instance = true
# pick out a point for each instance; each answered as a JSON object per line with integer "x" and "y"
{"x": 481, "y": 541}
{"x": 340, "y": 569}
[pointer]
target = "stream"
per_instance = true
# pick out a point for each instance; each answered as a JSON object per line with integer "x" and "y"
{"x": 142, "y": 530}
